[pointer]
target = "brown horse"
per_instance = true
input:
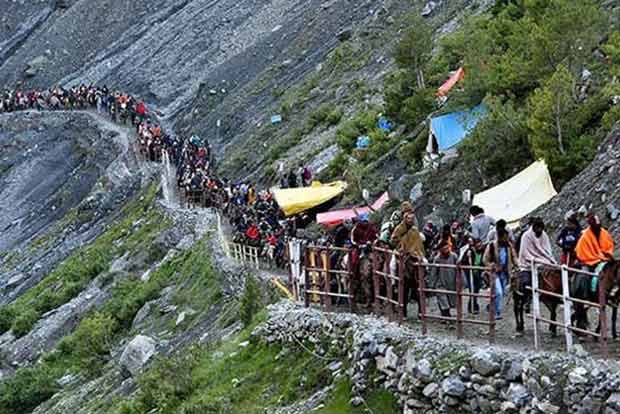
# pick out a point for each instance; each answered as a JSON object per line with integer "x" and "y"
{"x": 550, "y": 279}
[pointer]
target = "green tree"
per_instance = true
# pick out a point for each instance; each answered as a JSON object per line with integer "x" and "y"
{"x": 550, "y": 123}
{"x": 612, "y": 50}
{"x": 414, "y": 50}
{"x": 498, "y": 147}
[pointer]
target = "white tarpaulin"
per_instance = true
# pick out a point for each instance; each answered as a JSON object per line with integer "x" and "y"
{"x": 520, "y": 195}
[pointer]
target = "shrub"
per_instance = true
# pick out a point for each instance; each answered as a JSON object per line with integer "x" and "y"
{"x": 7, "y": 316}
{"x": 92, "y": 341}
{"x": 250, "y": 302}
{"x": 28, "y": 388}
{"x": 24, "y": 322}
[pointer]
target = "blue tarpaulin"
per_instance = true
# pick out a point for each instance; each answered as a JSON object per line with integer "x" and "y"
{"x": 363, "y": 142}
{"x": 384, "y": 124}
{"x": 276, "y": 119}
{"x": 450, "y": 129}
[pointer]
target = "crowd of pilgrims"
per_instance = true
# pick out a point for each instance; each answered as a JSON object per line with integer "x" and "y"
{"x": 257, "y": 220}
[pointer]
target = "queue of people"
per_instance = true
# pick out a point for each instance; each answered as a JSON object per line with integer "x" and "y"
{"x": 487, "y": 245}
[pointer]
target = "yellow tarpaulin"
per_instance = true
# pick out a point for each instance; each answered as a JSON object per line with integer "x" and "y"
{"x": 520, "y": 195}
{"x": 296, "y": 200}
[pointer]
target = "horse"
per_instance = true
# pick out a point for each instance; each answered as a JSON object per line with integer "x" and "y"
{"x": 550, "y": 279}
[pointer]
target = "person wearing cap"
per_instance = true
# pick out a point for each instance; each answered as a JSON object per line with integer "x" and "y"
{"x": 388, "y": 227}
{"x": 568, "y": 238}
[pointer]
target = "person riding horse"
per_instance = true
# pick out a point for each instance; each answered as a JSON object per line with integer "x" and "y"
{"x": 594, "y": 250}
{"x": 535, "y": 248}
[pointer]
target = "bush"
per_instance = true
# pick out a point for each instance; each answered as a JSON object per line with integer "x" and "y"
{"x": 24, "y": 322}
{"x": 28, "y": 388}
{"x": 7, "y": 316}
{"x": 91, "y": 342}
{"x": 250, "y": 302}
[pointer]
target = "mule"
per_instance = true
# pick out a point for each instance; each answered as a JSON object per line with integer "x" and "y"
{"x": 550, "y": 279}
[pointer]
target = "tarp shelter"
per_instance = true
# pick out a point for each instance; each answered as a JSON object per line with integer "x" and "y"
{"x": 455, "y": 78}
{"x": 363, "y": 142}
{"x": 448, "y": 130}
{"x": 297, "y": 200}
{"x": 276, "y": 119}
{"x": 335, "y": 217}
{"x": 384, "y": 124}
{"x": 519, "y": 196}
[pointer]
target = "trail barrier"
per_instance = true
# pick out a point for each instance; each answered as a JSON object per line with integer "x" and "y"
{"x": 459, "y": 293}
{"x": 389, "y": 281}
{"x": 327, "y": 276}
{"x": 567, "y": 302}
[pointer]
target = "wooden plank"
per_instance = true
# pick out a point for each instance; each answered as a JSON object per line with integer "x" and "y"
{"x": 568, "y": 335}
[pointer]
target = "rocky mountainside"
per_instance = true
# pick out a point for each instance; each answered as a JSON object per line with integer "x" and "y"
{"x": 221, "y": 68}
{"x": 112, "y": 301}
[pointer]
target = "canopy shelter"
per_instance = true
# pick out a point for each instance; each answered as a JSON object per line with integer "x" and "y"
{"x": 448, "y": 130}
{"x": 519, "y": 196}
{"x": 297, "y": 200}
{"x": 335, "y": 217}
{"x": 455, "y": 78}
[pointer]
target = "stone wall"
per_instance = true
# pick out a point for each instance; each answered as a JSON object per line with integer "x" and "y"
{"x": 430, "y": 375}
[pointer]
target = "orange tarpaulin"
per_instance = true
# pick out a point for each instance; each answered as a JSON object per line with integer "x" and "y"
{"x": 449, "y": 84}
{"x": 591, "y": 251}
{"x": 334, "y": 218}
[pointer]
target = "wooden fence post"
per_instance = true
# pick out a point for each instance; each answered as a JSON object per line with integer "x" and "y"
{"x": 568, "y": 333}
{"x": 459, "y": 302}
{"x": 376, "y": 277}
{"x": 327, "y": 279}
{"x": 402, "y": 302}
{"x": 306, "y": 277}
{"x": 350, "y": 281}
{"x": 492, "y": 299}
{"x": 422, "y": 294}
{"x": 602, "y": 302}
{"x": 535, "y": 303}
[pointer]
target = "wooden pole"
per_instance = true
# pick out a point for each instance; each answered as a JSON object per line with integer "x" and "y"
{"x": 402, "y": 302}
{"x": 376, "y": 277}
{"x": 459, "y": 303}
{"x": 535, "y": 303}
{"x": 492, "y": 299}
{"x": 422, "y": 295}
{"x": 602, "y": 301}
{"x": 306, "y": 277}
{"x": 568, "y": 333}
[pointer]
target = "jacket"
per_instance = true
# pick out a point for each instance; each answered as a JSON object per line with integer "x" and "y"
{"x": 408, "y": 240}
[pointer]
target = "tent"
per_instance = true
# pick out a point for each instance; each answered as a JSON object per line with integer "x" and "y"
{"x": 335, "y": 217}
{"x": 448, "y": 130}
{"x": 519, "y": 196}
{"x": 297, "y": 200}
{"x": 457, "y": 76}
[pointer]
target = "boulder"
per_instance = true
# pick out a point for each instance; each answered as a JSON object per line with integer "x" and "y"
{"x": 485, "y": 363}
{"x": 453, "y": 387}
{"x": 36, "y": 65}
{"x": 136, "y": 354}
{"x": 518, "y": 395}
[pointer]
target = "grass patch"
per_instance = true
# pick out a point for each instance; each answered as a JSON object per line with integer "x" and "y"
{"x": 88, "y": 348}
{"x": 379, "y": 401}
{"x": 73, "y": 275}
{"x": 247, "y": 380}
